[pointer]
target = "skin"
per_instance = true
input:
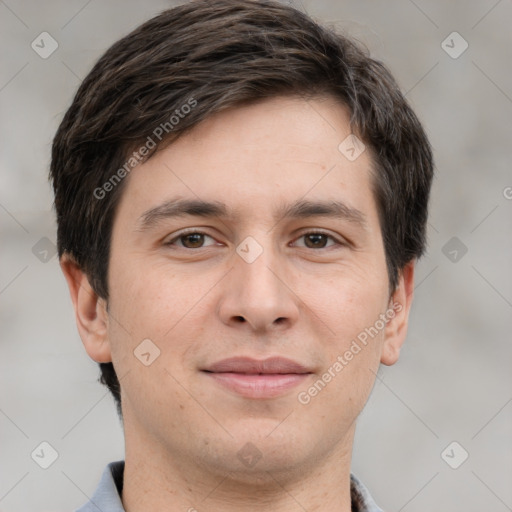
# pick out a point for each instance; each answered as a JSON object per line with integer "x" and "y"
{"x": 200, "y": 304}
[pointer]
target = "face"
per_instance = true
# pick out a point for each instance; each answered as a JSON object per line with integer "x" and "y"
{"x": 251, "y": 237}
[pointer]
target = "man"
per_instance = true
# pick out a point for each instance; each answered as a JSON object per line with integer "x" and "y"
{"x": 241, "y": 198}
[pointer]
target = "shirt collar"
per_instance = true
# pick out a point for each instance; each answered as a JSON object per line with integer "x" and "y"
{"x": 107, "y": 497}
{"x": 361, "y": 498}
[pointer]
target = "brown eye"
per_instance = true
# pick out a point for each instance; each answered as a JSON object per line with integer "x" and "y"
{"x": 316, "y": 240}
{"x": 192, "y": 240}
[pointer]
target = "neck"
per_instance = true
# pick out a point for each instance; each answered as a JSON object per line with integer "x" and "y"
{"x": 155, "y": 479}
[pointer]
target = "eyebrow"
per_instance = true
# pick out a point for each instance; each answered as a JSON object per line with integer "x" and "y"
{"x": 300, "y": 209}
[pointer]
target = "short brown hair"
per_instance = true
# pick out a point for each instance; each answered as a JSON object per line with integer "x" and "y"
{"x": 224, "y": 54}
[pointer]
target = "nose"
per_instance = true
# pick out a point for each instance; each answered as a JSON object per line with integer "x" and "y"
{"x": 258, "y": 296}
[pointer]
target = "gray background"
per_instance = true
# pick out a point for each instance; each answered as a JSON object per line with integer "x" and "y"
{"x": 453, "y": 381}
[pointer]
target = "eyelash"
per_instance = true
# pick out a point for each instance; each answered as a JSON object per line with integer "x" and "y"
{"x": 197, "y": 232}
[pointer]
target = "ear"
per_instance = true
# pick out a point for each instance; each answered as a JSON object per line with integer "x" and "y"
{"x": 90, "y": 311}
{"x": 398, "y": 314}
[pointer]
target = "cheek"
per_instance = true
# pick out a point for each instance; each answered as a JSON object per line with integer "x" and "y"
{"x": 351, "y": 304}
{"x": 160, "y": 305}
{"x": 147, "y": 299}
{"x": 355, "y": 335}
{"x": 351, "y": 350}
{"x": 150, "y": 332}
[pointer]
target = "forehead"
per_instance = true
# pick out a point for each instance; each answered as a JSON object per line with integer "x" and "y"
{"x": 269, "y": 152}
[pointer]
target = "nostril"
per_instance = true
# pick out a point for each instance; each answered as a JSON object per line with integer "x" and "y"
{"x": 240, "y": 319}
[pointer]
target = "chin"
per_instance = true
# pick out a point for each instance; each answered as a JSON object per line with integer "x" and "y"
{"x": 261, "y": 450}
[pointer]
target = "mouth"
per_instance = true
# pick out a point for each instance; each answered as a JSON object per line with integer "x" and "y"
{"x": 257, "y": 379}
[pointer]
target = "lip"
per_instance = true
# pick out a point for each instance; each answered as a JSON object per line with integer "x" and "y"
{"x": 253, "y": 378}
{"x": 248, "y": 365}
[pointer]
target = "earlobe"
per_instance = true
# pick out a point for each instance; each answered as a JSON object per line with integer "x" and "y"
{"x": 90, "y": 311}
{"x": 399, "y": 308}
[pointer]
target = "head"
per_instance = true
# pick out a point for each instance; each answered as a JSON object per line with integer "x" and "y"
{"x": 245, "y": 105}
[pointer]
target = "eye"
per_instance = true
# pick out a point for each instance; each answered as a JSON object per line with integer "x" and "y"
{"x": 317, "y": 240}
{"x": 190, "y": 240}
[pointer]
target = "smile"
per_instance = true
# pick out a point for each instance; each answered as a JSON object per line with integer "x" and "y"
{"x": 252, "y": 378}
